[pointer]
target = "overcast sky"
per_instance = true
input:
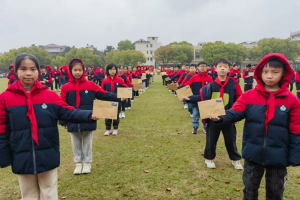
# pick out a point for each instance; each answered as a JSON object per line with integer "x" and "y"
{"x": 106, "y": 22}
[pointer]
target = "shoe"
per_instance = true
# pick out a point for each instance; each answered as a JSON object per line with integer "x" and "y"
{"x": 120, "y": 115}
{"x": 144, "y": 90}
{"x": 123, "y": 115}
{"x": 185, "y": 106}
{"x": 132, "y": 100}
{"x": 129, "y": 108}
{"x": 204, "y": 130}
{"x": 191, "y": 115}
{"x": 169, "y": 90}
{"x": 78, "y": 169}
{"x": 86, "y": 168}
{"x": 115, "y": 132}
{"x": 166, "y": 86}
{"x": 107, "y": 132}
{"x": 137, "y": 96}
{"x": 210, "y": 164}
{"x": 195, "y": 130}
{"x": 126, "y": 108}
{"x": 237, "y": 164}
{"x": 175, "y": 95}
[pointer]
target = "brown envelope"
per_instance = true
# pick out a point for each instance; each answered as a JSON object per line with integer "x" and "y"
{"x": 144, "y": 76}
{"x": 138, "y": 86}
{"x": 135, "y": 81}
{"x": 147, "y": 72}
{"x": 172, "y": 86}
{"x": 184, "y": 92}
{"x": 123, "y": 92}
{"x": 209, "y": 107}
{"x": 167, "y": 79}
{"x": 251, "y": 73}
{"x": 105, "y": 109}
{"x": 163, "y": 73}
{"x": 151, "y": 73}
{"x": 140, "y": 81}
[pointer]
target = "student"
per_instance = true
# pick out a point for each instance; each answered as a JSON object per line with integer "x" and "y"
{"x": 51, "y": 72}
{"x": 80, "y": 94}
{"x": 235, "y": 73}
{"x": 111, "y": 84}
{"x": 12, "y": 78}
{"x": 29, "y": 139}
{"x": 127, "y": 79}
{"x": 229, "y": 90}
{"x": 98, "y": 76}
{"x": 11, "y": 71}
{"x": 163, "y": 69}
{"x": 183, "y": 75}
{"x": 248, "y": 80}
{"x": 214, "y": 73}
{"x": 90, "y": 74}
{"x": 56, "y": 78}
{"x": 45, "y": 77}
{"x": 297, "y": 80}
{"x": 196, "y": 83}
{"x": 271, "y": 139}
{"x": 142, "y": 71}
{"x": 135, "y": 75}
{"x": 64, "y": 75}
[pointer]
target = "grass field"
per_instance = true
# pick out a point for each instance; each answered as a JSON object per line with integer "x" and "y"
{"x": 155, "y": 136}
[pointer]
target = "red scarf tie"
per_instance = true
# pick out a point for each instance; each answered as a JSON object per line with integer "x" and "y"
{"x": 112, "y": 84}
{"x": 77, "y": 94}
{"x": 270, "y": 109}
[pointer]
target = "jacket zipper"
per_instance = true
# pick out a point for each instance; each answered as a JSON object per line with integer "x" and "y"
{"x": 78, "y": 127}
{"x": 33, "y": 152}
{"x": 265, "y": 141}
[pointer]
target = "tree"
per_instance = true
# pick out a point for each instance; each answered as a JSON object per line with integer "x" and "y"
{"x": 108, "y": 49}
{"x": 125, "y": 45}
{"x": 128, "y": 57}
{"x": 183, "y": 54}
{"x": 87, "y": 55}
{"x": 181, "y": 43}
{"x": 164, "y": 54}
{"x": 66, "y": 50}
{"x": 58, "y": 61}
{"x": 8, "y": 58}
{"x": 236, "y": 53}
{"x": 290, "y": 48}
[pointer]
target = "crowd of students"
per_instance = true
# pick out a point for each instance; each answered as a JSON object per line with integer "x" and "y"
{"x": 271, "y": 138}
{"x": 29, "y": 112}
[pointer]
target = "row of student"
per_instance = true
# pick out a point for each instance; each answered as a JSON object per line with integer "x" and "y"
{"x": 271, "y": 138}
{"x": 28, "y": 107}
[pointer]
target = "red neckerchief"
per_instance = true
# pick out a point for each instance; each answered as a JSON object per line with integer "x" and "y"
{"x": 30, "y": 112}
{"x": 222, "y": 85}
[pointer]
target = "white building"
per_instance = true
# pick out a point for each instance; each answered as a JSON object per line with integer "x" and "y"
{"x": 1, "y": 54}
{"x": 147, "y": 48}
{"x": 53, "y": 49}
{"x": 295, "y": 36}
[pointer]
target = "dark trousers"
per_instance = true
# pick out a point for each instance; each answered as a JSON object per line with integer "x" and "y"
{"x": 298, "y": 95}
{"x": 275, "y": 180}
{"x": 115, "y": 122}
{"x": 50, "y": 85}
{"x": 247, "y": 87}
{"x": 128, "y": 103}
{"x": 291, "y": 87}
{"x": 163, "y": 79}
{"x": 212, "y": 136}
{"x": 136, "y": 93}
{"x": 123, "y": 105}
{"x": 56, "y": 83}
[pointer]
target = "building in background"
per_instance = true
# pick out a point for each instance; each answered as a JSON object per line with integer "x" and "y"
{"x": 1, "y": 54}
{"x": 147, "y": 47}
{"x": 53, "y": 49}
{"x": 295, "y": 36}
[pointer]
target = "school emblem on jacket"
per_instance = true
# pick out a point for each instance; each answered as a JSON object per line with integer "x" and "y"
{"x": 44, "y": 106}
{"x": 283, "y": 108}
{"x": 86, "y": 91}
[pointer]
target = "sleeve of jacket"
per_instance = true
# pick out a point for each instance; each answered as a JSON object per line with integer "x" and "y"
{"x": 5, "y": 152}
{"x": 244, "y": 75}
{"x": 237, "y": 112}
{"x": 128, "y": 82}
{"x": 103, "y": 84}
{"x": 184, "y": 80}
{"x": 297, "y": 77}
{"x": 63, "y": 96}
{"x": 180, "y": 79}
{"x": 204, "y": 94}
{"x": 70, "y": 114}
{"x": 104, "y": 95}
{"x": 239, "y": 75}
{"x": 231, "y": 74}
{"x": 294, "y": 145}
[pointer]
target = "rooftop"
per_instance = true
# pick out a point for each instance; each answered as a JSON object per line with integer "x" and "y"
{"x": 295, "y": 33}
{"x": 248, "y": 42}
{"x": 141, "y": 41}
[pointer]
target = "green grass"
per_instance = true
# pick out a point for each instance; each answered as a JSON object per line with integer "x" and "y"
{"x": 155, "y": 136}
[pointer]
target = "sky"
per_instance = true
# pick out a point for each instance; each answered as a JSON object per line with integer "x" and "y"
{"x": 106, "y": 22}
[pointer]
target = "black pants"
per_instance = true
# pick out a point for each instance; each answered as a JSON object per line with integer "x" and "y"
{"x": 123, "y": 105}
{"x": 212, "y": 136}
{"x": 136, "y": 93}
{"x": 247, "y": 87}
{"x": 114, "y": 121}
{"x": 275, "y": 181}
{"x": 56, "y": 83}
{"x": 128, "y": 103}
{"x": 163, "y": 79}
{"x": 50, "y": 85}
